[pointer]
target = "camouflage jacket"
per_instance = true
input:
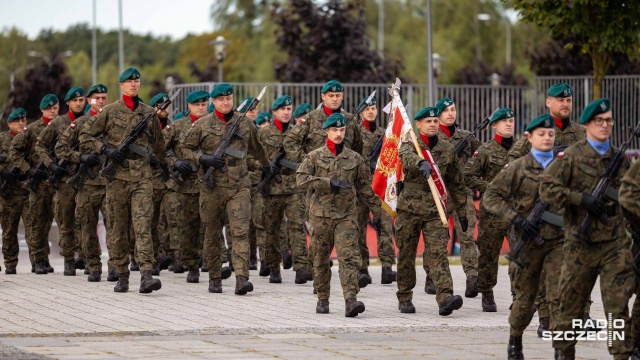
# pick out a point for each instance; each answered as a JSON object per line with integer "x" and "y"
{"x": 484, "y": 165}
{"x": 369, "y": 139}
{"x": 172, "y": 136}
{"x": 573, "y": 173}
{"x": 458, "y": 134}
{"x": 26, "y": 141}
{"x": 48, "y": 139}
{"x": 205, "y": 136}
{"x": 5, "y": 144}
{"x": 112, "y": 125}
{"x": 315, "y": 173}
{"x": 514, "y": 191}
{"x": 308, "y": 135}
{"x": 630, "y": 195}
{"x": 157, "y": 178}
{"x": 271, "y": 138}
{"x": 572, "y": 134}
{"x": 65, "y": 149}
{"x": 416, "y": 196}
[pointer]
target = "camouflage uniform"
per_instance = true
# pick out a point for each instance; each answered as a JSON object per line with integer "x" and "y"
{"x": 230, "y": 195}
{"x": 130, "y": 194}
{"x": 417, "y": 213}
{"x": 563, "y": 184}
{"x": 514, "y": 191}
{"x": 14, "y": 206}
{"x": 479, "y": 171}
{"x": 257, "y": 232}
{"x": 333, "y": 217}
{"x": 40, "y": 199}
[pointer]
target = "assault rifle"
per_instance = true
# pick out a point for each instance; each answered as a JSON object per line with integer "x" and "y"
{"x": 480, "y": 126}
{"x": 63, "y": 163}
{"x": 84, "y": 168}
{"x": 138, "y": 130}
{"x": 375, "y": 153}
{"x": 603, "y": 189}
{"x": 361, "y": 107}
{"x": 277, "y": 161}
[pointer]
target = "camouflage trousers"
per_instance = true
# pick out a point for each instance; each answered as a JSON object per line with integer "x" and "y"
{"x": 408, "y": 228}
{"x": 215, "y": 205}
{"x": 42, "y": 212}
{"x": 491, "y": 233}
{"x": 11, "y": 210}
{"x": 183, "y": 215}
{"x": 343, "y": 233}
{"x": 386, "y": 251}
{"x": 277, "y": 207}
{"x": 538, "y": 262}
{"x": 160, "y": 223}
{"x": 130, "y": 207}
{"x": 581, "y": 266}
{"x": 635, "y": 315}
{"x": 69, "y": 229}
{"x": 257, "y": 232}
{"x": 542, "y": 303}
{"x": 90, "y": 201}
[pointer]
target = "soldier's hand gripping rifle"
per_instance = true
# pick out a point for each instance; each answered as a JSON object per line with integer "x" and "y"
{"x": 138, "y": 130}
{"x": 603, "y": 188}
{"x": 84, "y": 168}
{"x": 229, "y": 134}
{"x": 462, "y": 145}
{"x": 62, "y": 166}
{"x": 277, "y": 162}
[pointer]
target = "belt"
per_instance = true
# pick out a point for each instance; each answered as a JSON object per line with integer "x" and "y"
{"x": 424, "y": 187}
{"x": 235, "y": 162}
{"x": 286, "y": 171}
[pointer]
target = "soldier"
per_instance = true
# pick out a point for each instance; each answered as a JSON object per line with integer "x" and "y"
{"x": 65, "y": 197}
{"x": 284, "y": 198}
{"x": 258, "y": 210}
{"x": 451, "y": 132}
{"x": 183, "y": 197}
{"x": 90, "y": 198}
{"x": 130, "y": 193}
{"x": 300, "y": 111}
{"x": 568, "y": 183}
{"x": 40, "y": 193}
{"x": 417, "y": 213}
{"x": 14, "y": 202}
{"x": 479, "y": 171}
{"x": 333, "y": 171}
{"x": 228, "y": 193}
{"x": 371, "y": 133}
{"x": 511, "y": 196}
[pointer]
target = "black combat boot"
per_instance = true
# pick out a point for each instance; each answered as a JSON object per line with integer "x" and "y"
{"x": 406, "y": 307}
{"x": 287, "y": 259}
{"x": 10, "y": 270}
{"x": 48, "y": 266}
{"x": 229, "y": 260}
{"x": 243, "y": 285}
{"x": 204, "y": 267}
{"x": 429, "y": 288}
{"x": 147, "y": 283}
{"x": 94, "y": 276}
{"x": 40, "y": 267}
{"x": 559, "y": 356}
{"x": 133, "y": 266}
{"x": 155, "y": 270}
{"x": 302, "y": 276}
{"x": 112, "y": 276}
{"x": 193, "y": 276}
{"x": 225, "y": 272}
{"x": 164, "y": 262}
{"x": 264, "y": 270}
{"x": 215, "y": 286}
{"x": 472, "y": 287}
{"x": 275, "y": 277}
{"x": 636, "y": 354}
{"x": 514, "y": 349}
{"x": 366, "y": 272}
{"x": 388, "y": 275}
{"x": 488, "y": 303}
{"x": 544, "y": 326}
{"x": 353, "y": 307}
{"x": 453, "y": 302}
{"x": 69, "y": 268}
{"x": 322, "y": 306}
{"x": 253, "y": 263}
{"x": 79, "y": 263}
{"x": 86, "y": 270}
{"x": 363, "y": 280}
{"x": 123, "y": 282}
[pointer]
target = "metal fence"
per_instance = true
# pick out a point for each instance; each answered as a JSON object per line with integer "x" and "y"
{"x": 473, "y": 102}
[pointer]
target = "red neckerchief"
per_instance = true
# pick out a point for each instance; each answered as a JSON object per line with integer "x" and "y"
{"x": 128, "y": 100}
{"x": 504, "y": 142}
{"x": 331, "y": 146}
{"x": 366, "y": 124}
{"x": 446, "y": 130}
{"x": 14, "y": 134}
{"x": 426, "y": 142}
{"x": 499, "y": 139}
{"x": 194, "y": 119}
{"x": 558, "y": 122}
{"x": 329, "y": 111}
{"x": 278, "y": 124}
{"x": 93, "y": 113}
{"x": 71, "y": 116}
{"x": 219, "y": 115}
{"x": 46, "y": 120}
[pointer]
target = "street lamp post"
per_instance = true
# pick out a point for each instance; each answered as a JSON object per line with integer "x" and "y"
{"x": 48, "y": 60}
{"x": 13, "y": 73}
{"x": 507, "y": 25}
{"x": 436, "y": 61}
{"x": 219, "y": 45}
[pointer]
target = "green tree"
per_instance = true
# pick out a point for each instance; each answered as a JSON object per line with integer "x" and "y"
{"x": 601, "y": 27}
{"x": 79, "y": 65}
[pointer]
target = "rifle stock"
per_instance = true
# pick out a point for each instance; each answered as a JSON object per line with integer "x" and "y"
{"x": 462, "y": 144}
{"x": 535, "y": 217}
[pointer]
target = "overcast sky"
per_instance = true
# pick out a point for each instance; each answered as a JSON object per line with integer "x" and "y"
{"x": 175, "y": 18}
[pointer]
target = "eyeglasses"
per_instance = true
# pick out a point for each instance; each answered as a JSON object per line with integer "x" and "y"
{"x": 600, "y": 121}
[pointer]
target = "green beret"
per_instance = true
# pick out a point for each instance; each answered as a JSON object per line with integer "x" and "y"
{"x": 373, "y": 101}
{"x": 179, "y": 115}
{"x": 335, "y": 120}
{"x": 17, "y": 114}
{"x": 444, "y": 103}
{"x": 594, "y": 108}
{"x": 501, "y": 114}
{"x": 244, "y": 107}
{"x": 544, "y": 121}
{"x": 222, "y": 89}
{"x": 73, "y": 93}
{"x": 302, "y": 109}
{"x": 159, "y": 99}
{"x": 197, "y": 96}
{"x": 333, "y": 86}
{"x": 98, "y": 89}
{"x": 284, "y": 100}
{"x": 262, "y": 117}
{"x": 560, "y": 90}
{"x": 48, "y": 101}
{"x": 129, "y": 74}
{"x": 431, "y": 111}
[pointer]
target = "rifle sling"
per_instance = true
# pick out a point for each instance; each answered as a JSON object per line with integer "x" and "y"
{"x": 553, "y": 219}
